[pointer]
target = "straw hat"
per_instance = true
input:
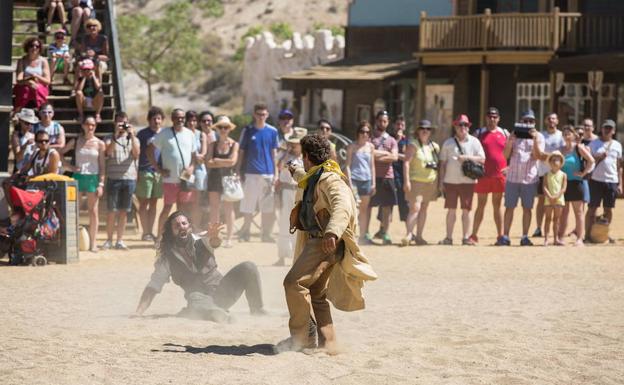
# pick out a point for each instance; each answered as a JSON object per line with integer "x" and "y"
{"x": 556, "y": 154}
{"x": 599, "y": 232}
{"x": 297, "y": 135}
{"x": 223, "y": 121}
{"x": 27, "y": 115}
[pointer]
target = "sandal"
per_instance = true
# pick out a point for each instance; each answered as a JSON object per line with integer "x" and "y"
{"x": 446, "y": 242}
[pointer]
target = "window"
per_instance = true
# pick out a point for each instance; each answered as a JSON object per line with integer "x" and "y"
{"x": 535, "y": 96}
{"x": 576, "y": 103}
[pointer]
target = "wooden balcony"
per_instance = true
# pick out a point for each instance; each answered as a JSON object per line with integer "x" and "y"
{"x": 556, "y": 31}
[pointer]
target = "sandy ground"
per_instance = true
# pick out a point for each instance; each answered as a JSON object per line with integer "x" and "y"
{"x": 437, "y": 315}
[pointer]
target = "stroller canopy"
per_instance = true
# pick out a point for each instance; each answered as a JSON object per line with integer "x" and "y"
{"x": 25, "y": 199}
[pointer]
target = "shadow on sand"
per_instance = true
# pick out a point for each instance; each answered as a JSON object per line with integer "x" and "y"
{"x": 233, "y": 350}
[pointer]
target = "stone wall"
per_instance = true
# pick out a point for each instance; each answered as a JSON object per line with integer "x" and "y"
{"x": 266, "y": 60}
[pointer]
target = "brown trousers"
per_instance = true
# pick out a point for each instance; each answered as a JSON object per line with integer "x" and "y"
{"x": 306, "y": 290}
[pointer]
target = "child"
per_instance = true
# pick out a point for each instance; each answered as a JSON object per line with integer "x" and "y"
{"x": 287, "y": 189}
{"x": 555, "y": 184}
{"x": 88, "y": 91}
{"x": 58, "y": 52}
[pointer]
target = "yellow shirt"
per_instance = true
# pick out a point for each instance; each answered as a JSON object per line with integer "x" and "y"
{"x": 423, "y": 154}
{"x": 554, "y": 184}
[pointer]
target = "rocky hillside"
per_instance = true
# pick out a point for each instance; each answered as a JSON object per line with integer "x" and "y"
{"x": 234, "y": 19}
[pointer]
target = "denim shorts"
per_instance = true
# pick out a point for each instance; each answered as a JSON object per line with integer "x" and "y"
{"x": 119, "y": 194}
{"x": 525, "y": 192}
{"x": 363, "y": 187}
{"x": 602, "y": 192}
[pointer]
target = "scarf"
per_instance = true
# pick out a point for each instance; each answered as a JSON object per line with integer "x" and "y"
{"x": 328, "y": 166}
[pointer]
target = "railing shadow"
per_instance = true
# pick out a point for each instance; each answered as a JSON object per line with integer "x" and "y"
{"x": 232, "y": 350}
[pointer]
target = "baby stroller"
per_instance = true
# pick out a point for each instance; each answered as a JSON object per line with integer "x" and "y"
{"x": 34, "y": 223}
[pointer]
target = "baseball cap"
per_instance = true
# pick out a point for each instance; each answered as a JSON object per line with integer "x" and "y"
{"x": 493, "y": 111}
{"x": 462, "y": 118}
{"x": 528, "y": 114}
{"x": 86, "y": 64}
{"x": 286, "y": 113}
{"x": 424, "y": 123}
{"x": 608, "y": 123}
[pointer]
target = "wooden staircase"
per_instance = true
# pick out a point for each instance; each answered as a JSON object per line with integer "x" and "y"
{"x": 30, "y": 20}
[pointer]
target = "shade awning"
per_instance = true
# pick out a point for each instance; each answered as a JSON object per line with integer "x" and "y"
{"x": 607, "y": 62}
{"x": 350, "y": 73}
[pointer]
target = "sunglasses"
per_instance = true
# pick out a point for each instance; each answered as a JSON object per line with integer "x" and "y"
{"x": 223, "y": 128}
{"x": 367, "y": 132}
{"x": 91, "y": 26}
{"x": 27, "y": 123}
{"x": 425, "y": 128}
{"x": 44, "y": 141}
{"x": 34, "y": 46}
{"x": 463, "y": 124}
{"x": 59, "y": 36}
{"x": 178, "y": 118}
{"x": 206, "y": 120}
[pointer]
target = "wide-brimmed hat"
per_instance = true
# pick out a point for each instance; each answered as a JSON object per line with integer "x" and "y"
{"x": 87, "y": 64}
{"x": 27, "y": 115}
{"x": 556, "y": 154}
{"x": 462, "y": 118}
{"x": 223, "y": 121}
{"x": 297, "y": 135}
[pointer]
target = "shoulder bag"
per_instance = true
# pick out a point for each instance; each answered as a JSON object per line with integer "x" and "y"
{"x": 184, "y": 184}
{"x": 470, "y": 168}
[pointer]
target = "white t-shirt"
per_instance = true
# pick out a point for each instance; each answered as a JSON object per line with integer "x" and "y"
{"x": 607, "y": 169}
{"x": 552, "y": 142}
{"x": 453, "y": 174}
{"x": 169, "y": 153}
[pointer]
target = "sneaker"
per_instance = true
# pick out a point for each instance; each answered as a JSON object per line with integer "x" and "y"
{"x": 121, "y": 246}
{"x": 503, "y": 241}
{"x": 525, "y": 241}
{"x": 386, "y": 239}
{"x": 148, "y": 238}
{"x": 537, "y": 233}
{"x": 405, "y": 241}
{"x": 107, "y": 245}
{"x": 366, "y": 240}
{"x": 380, "y": 234}
{"x": 474, "y": 239}
{"x": 446, "y": 242}
{"x": 468, "y": 242}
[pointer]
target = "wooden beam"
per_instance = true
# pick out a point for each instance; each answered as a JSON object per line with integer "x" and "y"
{"x": 553, "y": 92}
{"x": 419, "y": 110}
{"x": 490, "y": 57}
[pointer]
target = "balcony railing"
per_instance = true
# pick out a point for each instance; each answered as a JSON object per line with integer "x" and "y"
{"x": 554, "y": 31}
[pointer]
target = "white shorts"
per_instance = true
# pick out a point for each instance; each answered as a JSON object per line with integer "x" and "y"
{"x": 258, "y": 191}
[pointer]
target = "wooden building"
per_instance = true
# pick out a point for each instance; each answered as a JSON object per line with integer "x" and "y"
{"x": 551, "y": 55}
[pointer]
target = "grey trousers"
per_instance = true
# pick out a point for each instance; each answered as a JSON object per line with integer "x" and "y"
{"x": 243, "y": 277}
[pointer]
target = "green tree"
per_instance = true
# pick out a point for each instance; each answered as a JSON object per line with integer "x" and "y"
{"x": 161, "y": 49}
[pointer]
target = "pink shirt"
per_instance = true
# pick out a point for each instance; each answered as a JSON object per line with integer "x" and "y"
{"x": 522, "y": 166}
{"x": 493, "y": 143}
{"x": 384, "y": 142}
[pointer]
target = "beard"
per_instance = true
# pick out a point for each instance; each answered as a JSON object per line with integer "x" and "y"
{"x": 183, "y": 239}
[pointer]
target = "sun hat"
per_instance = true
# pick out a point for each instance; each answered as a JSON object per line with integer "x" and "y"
{"x": 556, "y": 154}
{"x": 462, "y": 118}
{"x": 297, "y": 135}
{"x": 424, "y": 124}
{"x": 223, "y": 121}
{"x": 27, "y": 115}
{"x": 286, "y": 113}
{"x": 87, "y": 64}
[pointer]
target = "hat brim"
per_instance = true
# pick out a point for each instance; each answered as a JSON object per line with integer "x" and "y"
{"x": 216, "y": 126}
{"x": 31, "y": 120}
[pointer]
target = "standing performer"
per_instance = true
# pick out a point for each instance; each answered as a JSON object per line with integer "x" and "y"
{"x": 327, "y": 220}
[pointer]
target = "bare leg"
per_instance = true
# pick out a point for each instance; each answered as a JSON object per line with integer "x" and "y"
{"x": 122, "y": 218}
{"x": 163, "y": 217}
{"x": 539, "y": 211}
{"x": 563, "y": 221}
{"x": 556, "y": 217}
{"x": 214, "y": 201}
{"x": 450, "y": 222}
{"x": 412, "y": 217}
{"x": 228, "y": 211}
{"x": 465, "y": 224}
{"x": 80, "y": 104}
{"x": 110, "y": 225}
{"x": 526, "y": 221}
{"x": 548, "y": 213}
{"x": 51, "y": 5}
{"x": 386, "y": 213}
{"x": 77, "y": 13}
{"x": 497, "y": 199}
{"x": 151, "y": 214}
{"x": 143, "y": 217}
{"x": 364, "y": 218}
{"x": 92, "y": 202}
{"x": 508, "y": 219}
{"x": 60, "y": 9}
{"x": 422, "y": 219}
{"x": 98, "y": 103}
{"x": 578, "y": 207}
{"x": 478, "y": 216}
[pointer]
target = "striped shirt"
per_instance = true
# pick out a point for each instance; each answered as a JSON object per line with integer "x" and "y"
{"x": 522, "y": 166}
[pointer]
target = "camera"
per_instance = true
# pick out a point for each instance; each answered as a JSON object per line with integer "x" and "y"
{"x": 431, "y": 165}
{"x": 521, "y": 130}
{"x": 124, "y": 126}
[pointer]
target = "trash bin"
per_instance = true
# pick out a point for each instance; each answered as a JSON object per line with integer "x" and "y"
{"x": 65, "y": 196}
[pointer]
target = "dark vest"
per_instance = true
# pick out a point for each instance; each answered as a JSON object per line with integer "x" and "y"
{"x": 204, "y": 280}
{"x": 307, "y": 216}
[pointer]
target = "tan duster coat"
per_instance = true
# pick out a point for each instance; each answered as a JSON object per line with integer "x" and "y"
{"x": 334, "y": 195}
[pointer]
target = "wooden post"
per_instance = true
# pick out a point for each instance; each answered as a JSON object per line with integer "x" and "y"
{"x": 420, "y": 95}
{"x": 485, "y": 31}
{"x": 422, "y": 31}
{"x": 552, "y": 101}
{"x": 555, "y": 29}
{"x": 484, "y": 98}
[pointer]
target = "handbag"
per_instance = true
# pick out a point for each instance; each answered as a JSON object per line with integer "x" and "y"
{"x": 470, "y": 168}
{"x": 184, "y": 184}
{"x": 232, "y": 188}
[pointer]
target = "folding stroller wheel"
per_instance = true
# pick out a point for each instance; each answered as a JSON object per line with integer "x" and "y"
{"x": 39, "y": 260}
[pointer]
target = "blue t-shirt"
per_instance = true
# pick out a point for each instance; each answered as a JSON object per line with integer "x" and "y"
{"x": 145, "y": 137}
{"x": 258, "y": 145}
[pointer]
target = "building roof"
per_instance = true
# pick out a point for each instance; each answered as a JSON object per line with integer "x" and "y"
{"x": 350, "y": 73}
{"x": 608, "y": 62}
